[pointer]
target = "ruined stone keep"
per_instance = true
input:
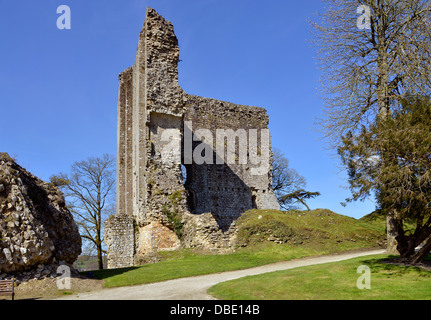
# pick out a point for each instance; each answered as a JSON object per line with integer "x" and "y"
{"x": 167, "y": 197}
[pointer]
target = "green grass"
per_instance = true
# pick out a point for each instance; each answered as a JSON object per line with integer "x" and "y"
{"x": 333, "y": 281}
{"x": 320, "y": 229}
{"x": 292, "y": 235}
{"x": 377, "y": 221}
{"x": 186, "y": 263}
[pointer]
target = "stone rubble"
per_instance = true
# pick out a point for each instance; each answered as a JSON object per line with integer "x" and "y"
{"x": 37, "y": 231}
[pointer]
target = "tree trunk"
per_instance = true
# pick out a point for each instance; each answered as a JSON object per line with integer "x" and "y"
{"x": 99, "y": 240}
{"x": 384, "y": 113}
{"x": 303, "y": 202}
{"x": 100, "y": 256}
{"x": 392, "y": 233}
{"x": 419, "y": 255}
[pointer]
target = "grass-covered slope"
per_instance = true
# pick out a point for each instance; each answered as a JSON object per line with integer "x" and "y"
{"x": 319, "y": 229}
{"x": 264, "y": 236}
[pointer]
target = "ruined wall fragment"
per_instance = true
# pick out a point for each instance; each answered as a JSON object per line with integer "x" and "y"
{"x": 170, "y": 200}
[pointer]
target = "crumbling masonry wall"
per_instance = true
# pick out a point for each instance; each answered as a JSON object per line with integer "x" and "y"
{"x": 161, "y": 203}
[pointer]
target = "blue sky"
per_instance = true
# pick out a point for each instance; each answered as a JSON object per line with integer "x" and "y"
{"x": 59, "y": 88}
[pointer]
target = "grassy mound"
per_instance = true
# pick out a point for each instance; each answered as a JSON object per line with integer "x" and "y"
{"x": 264, "y": 236}
{"x": 320, "y": 229}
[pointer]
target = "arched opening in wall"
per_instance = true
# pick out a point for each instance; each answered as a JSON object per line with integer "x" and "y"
{"x": 254, "y": 202}
{"x": 187, "y": 179}
{"x": 191, "y": 200}
{"x": 184, "y": 174}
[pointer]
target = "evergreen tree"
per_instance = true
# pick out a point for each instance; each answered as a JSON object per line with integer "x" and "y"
{"x": 393, "y": 158}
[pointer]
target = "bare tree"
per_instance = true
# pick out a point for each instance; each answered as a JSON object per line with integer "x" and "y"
{"x": 89, "y": 191}
{"x": 369, "y": 67}
{"x": 367, "y": 71}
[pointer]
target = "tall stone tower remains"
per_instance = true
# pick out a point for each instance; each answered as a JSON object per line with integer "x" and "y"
{"x": 187, "y": 167}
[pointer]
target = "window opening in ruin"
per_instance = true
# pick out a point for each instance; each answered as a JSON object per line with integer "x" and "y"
{"x": 191, "y": 200}
{"x": 187, "y": 177}
{"x": 184, "y": 173}
{"x": 253, "y": 201}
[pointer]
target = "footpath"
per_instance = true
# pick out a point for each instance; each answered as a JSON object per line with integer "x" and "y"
{"x": 195, "y": 288}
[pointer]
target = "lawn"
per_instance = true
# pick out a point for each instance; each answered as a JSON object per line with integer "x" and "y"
{"x": 265, "y": 236}
{"x": 187, "y": 263}
{"x": 333, "y": 281}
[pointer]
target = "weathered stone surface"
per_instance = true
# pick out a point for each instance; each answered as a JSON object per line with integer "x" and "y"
{"x": 36, "y": 228}
{"x": 201, "y": 208}
{"x": 157, "y": 236}
{"x": 120, "y": 241}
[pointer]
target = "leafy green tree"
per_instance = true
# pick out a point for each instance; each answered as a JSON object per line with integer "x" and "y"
{"x": 368, "y": 68}
{"x": 393, "y": 159}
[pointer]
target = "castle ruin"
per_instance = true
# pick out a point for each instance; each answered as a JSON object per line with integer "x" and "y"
{"x": 177, "y": 183}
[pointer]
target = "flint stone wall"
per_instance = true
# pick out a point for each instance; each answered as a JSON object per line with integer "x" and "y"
{"x": 119, "y": 236}
{"x": 36, "y": 229}
{"x": 196, "y": 203}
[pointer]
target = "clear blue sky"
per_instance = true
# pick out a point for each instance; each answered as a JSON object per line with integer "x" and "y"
{"x": 59, "y": 88}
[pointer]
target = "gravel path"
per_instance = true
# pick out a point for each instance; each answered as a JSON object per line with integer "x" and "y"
{"x": 195, "y": 288}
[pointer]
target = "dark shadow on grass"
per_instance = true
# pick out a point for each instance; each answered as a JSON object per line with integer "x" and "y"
{"x": 106, "y": 273}
{"x": 394, "y": 263}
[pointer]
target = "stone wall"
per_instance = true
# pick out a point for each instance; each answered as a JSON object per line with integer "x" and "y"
{"x": 171, "y": 200}
{"x": 120, "y": 240}
{"x": 156, "y": 235}
{"x": 229, "y": 189}
{"x": 36, "y": 228}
